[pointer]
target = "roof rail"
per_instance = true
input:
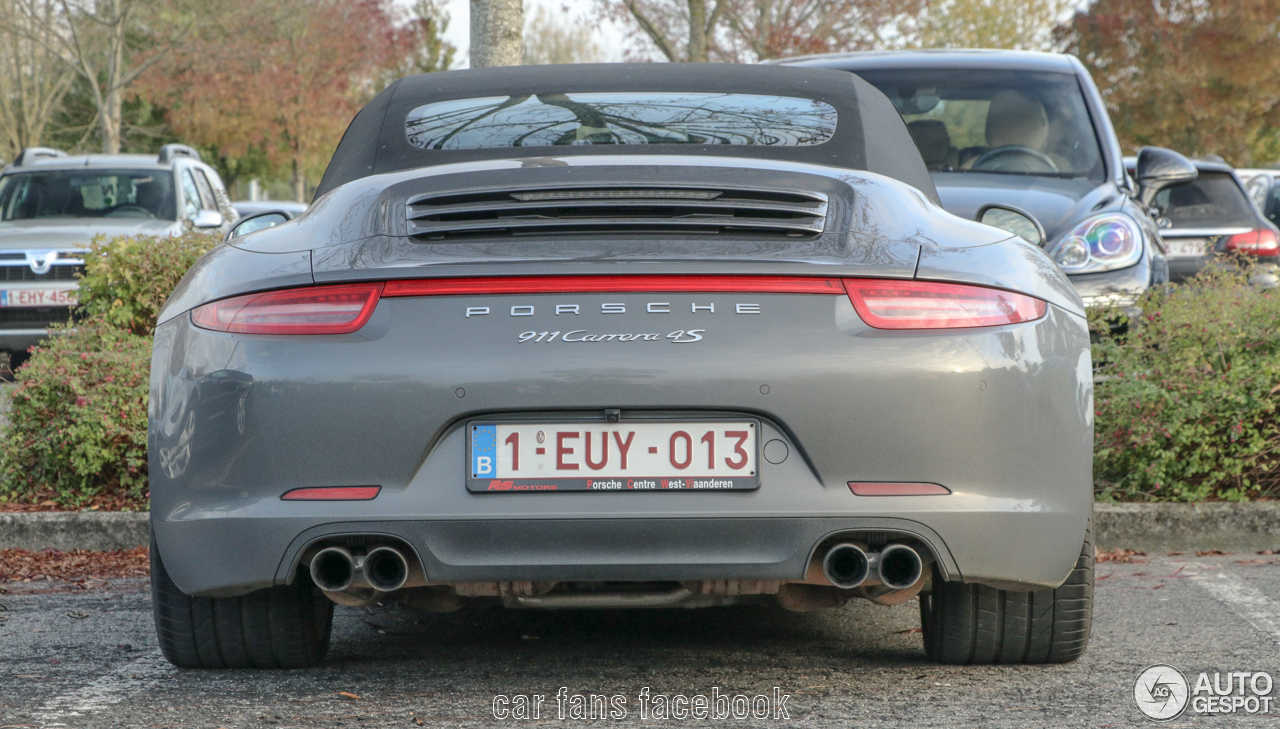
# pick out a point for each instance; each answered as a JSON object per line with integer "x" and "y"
{"x": 30, "y": 154}
{"x": 169, "y": 151}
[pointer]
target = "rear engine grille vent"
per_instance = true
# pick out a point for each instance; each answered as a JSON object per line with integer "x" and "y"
{"x": 659, "y": 210}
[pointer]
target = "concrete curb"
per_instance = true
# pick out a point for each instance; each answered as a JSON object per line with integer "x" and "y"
{"x": 1146, "y": 527}
{"x": 1248, "y": 527}
{"x": 68, "y": 530}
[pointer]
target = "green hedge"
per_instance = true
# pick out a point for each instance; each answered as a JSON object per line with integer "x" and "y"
{"x": 77, "y": 428}
{"x": 127, "y": 280}
{"x": 1186, "y": 396}
{"x": 77, "y": 431}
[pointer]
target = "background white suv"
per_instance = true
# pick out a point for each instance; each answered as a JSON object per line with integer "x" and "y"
{"x": 53, "y": 204}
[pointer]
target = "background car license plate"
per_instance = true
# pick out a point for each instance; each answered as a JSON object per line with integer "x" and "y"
{"x": 37, "y": 297}
{"x": 1185, "y": 247}
{"x": 646, "y": 456}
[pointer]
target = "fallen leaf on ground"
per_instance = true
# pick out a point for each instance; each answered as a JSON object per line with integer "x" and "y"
{"x": 348, "y": 695}
{"x": 77, "y": 615}
{"x": 908, "y": 631}
{"x": 1269, "y": 551}
{"x": 1121, "y": 555}
{"x": 1212, "y": 553}
{"x": 20, "y": 565}
{"x": 1174, "y": 554}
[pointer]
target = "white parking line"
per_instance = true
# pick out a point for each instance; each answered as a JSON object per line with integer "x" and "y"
{"x": 107, "y": 691}
{"x": 1256, "y": 608}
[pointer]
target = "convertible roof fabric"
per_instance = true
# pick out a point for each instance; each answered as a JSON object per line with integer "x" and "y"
{"x": 870, "y": 135}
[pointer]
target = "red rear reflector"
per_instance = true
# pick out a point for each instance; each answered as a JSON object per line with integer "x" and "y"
{"x": 333, "y": 493}
{"x": 888, "y": 304}
{"x": 613, "y": 284}
{"x": 1261, "y": 242}
{"x": 313, "y": 310}
{"x": 897, "y": 489}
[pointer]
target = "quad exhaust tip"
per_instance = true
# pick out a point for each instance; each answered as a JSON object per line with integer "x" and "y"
{"x": 333, "y": 569}
{"x": 846, "y": 566}
{"x": 899, "y": 566}
{"x": 385, "y": 569}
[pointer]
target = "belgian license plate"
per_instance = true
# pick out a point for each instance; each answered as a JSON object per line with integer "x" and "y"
{"x": 15, "y": 298}
{"x": 645, "y": 456}
{"x": 1185, "y": 247}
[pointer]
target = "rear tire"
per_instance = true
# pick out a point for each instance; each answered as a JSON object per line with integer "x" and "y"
{"x": 286, "y": 626}
{"x": 976, "y": 624}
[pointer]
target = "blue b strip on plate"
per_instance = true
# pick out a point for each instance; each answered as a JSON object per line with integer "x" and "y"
{"x": 484, "y": 451}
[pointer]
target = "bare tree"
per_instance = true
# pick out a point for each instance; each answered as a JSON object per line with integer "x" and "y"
{"x": 1015, "y": 24}
{"x": 551, "y": 37}
{"x": 755, "y": 30}
{"x": 763, "y": 29}
{"x": 100, "y": 40}
{"x": 496, "y": 27}
{"x": 682, "y": 30}
{"x": 33, "y": 80}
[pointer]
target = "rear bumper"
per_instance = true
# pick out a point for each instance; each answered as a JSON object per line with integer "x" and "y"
{"x": 1000, "y": 416}
{"x": 769, "y": 534}
{"x": 1003, "y": 548}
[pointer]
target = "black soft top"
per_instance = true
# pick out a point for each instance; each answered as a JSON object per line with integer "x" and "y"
{"x": 869, "y": 135}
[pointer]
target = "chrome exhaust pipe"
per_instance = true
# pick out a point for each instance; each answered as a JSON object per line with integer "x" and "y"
{"x": 333, "y": 569}
{"x": 899, "y": 566}
{"x": 385, "y": 569}
{"x": 846, "y": 566}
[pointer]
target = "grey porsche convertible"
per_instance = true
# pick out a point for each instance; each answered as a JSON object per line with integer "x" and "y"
{"x": 530, "y": 305}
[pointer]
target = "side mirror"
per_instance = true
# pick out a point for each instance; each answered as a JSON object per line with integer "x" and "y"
{"x": 207, "y": 219}
{"x": 1159, "y": 169}
{"x": 1019, "y": 222}
{"x": 257, "y": 221}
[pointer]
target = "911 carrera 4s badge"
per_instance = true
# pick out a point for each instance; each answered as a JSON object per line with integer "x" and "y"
{"x": 648, "y": 456}
{"x": 680, "y": 336}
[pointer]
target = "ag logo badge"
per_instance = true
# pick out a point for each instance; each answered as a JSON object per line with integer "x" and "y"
{"x": 1161, "y": 692}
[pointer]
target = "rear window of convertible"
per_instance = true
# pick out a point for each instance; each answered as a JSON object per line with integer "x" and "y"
{"x": 550, "y": 120}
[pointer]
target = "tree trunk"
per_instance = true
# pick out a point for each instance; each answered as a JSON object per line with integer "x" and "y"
{"x": 110, "y": 121}
{"x": 697, "y": 31}
{"x": 111, "y": 111}
{"x": 299, "y": 181}
{"x": 496, "y": 31}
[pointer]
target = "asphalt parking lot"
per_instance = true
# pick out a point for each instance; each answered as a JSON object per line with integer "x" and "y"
{"x": 88, "y": 658}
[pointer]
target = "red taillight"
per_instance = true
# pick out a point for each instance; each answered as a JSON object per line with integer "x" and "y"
{"x": 1260, "y": 242}
{"x": 333, "y": 493}
{"x": 315, "y": 310}
{"x": 862, "y": 488}
{"x": 884, "y": 304}
{"x": 927, "y": 305}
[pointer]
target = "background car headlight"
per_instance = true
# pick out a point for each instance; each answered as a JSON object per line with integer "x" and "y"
{"x": 1101, "y": 243}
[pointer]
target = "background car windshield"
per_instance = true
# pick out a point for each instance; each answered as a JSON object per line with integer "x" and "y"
{"x": 1214, "y": 199}
{"x": 546, "y": 120}
{"x": 994, "y": 121}
{"x": 146, "y": 194}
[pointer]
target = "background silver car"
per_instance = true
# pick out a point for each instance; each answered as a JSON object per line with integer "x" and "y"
{"x": 659, "y": 335}
{"x": 52, "y": 205}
